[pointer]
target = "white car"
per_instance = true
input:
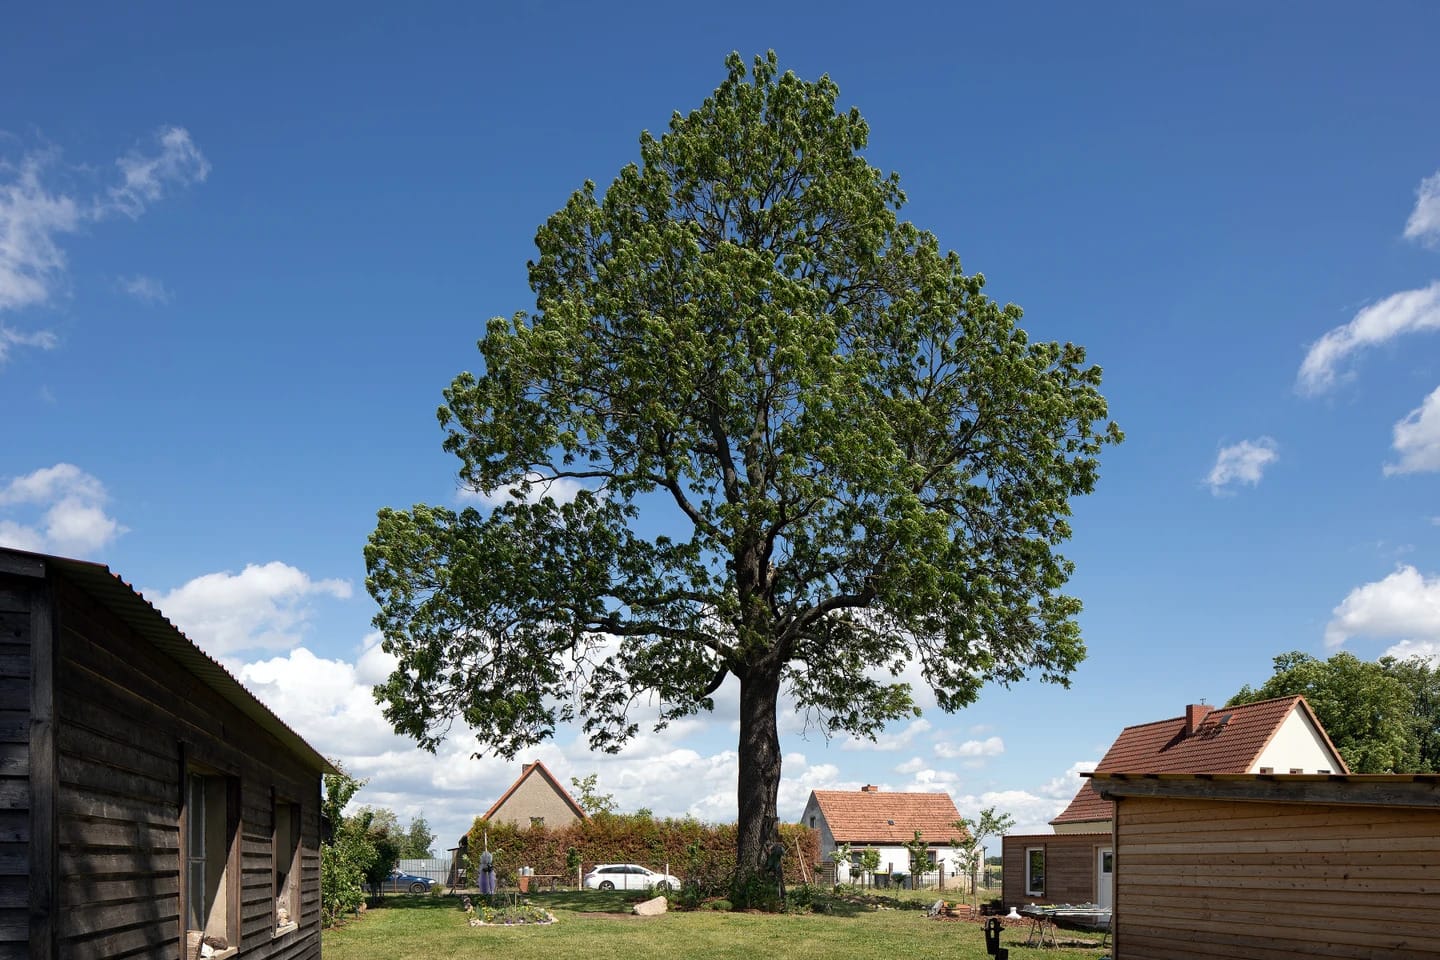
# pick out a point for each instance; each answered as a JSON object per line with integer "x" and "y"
{"x": 628, "y": 876}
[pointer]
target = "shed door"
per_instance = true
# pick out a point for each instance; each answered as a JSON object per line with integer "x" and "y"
{"x": 1104, "y": 876}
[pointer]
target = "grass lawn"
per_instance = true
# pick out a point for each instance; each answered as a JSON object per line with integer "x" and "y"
{"x": 595, "y": 924}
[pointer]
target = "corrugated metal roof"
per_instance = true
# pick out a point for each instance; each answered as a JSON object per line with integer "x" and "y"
{"x": 130, "y": 606}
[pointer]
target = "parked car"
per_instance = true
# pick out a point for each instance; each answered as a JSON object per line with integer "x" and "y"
{"x": 628, "y": 876}
{"x": 406, "y": 883}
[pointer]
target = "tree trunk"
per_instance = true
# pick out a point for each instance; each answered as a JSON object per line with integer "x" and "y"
{"x": 759, "y": 782}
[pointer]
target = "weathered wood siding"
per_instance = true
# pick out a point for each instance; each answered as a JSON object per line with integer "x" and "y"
{"x": 1202, "y": 879}
{"x": 1069, "y": 867}
{"x": 16, "y": 595}
{"x": 130, "y": 718}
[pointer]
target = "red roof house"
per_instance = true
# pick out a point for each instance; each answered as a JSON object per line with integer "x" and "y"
{"x": 1075, "y": 863}
{"x": 872, "y": 819}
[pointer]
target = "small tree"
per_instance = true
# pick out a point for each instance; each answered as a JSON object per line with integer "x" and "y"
{"x": 573, "y": 863}
{"x": 841, "y": 855}
{"x": 418, "y": 840}
{"x": 590, "y": 801}
{"x": 346, "y": 856}
{"x": 869, "y": 863}
{"x": 990, "y": 823}
{"x": 919, "y": 852}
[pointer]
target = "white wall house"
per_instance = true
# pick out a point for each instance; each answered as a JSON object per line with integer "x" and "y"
{"x": 871, "y": 819}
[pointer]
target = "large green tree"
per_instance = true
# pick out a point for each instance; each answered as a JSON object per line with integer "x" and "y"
{"x": 812, "y": 453}
{"x": 1382, "y": 715}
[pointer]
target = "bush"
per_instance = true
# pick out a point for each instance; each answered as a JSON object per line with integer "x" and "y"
{"x": 702, "y": 855}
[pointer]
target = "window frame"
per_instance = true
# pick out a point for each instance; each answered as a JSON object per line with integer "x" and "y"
{"x": 214, "y": 784}
{"x": 1031, "y": 888}
{"x": 279, "y": 803}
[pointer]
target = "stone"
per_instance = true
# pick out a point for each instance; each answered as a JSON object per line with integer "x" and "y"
{"x": 650, "y": 908}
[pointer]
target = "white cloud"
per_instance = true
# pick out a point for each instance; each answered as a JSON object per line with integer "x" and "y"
{"x": 1399, "y": 313}
{"x": 889, "y": 741}
{"x": 1424, "y": 222}
{"x": 31, "y": 261}
{"x": 146, "y": 176}
{"x": 34, "y": 216}
{"x": 1243, "y": 462}
{"x": 1405, "y": 605}
{"x": 561, "y": 490}
{"x": 989, "y": 747}
{"x": 64, "y": 510}
{"x": 1406, "y": 649}
{"x": 1417, "y": 438}
{"x": 262, "y": 607}
{"x": 144, "y": 288}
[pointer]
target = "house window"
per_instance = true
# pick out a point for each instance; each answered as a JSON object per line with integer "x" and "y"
{"x": 212, "y": 824}
{"x": 537, "y": 823}
{"x": 286, "y": 842}
{"x": 812, "y": 823}
{"x": 1267, "y": 769}
{"x": 1035, "y": 871}
{"x": 1297, "y": 770}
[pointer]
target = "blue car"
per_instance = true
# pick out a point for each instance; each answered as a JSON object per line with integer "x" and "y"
{"x": 406, "y": 883}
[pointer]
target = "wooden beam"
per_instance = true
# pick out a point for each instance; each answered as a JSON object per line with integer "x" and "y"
{"x": 44, "y": 776}
{"x": 1402, "y": 791}
{"x": 21, "y": 565}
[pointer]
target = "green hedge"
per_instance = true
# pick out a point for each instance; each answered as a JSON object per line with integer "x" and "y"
{"x": 636, "y": 838}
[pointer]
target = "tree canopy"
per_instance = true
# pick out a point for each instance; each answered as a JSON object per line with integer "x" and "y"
{"x": 809, "y": 452}
{"x": 1383, "y": 716}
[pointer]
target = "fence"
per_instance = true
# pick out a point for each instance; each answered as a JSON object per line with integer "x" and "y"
{"x": 436, "y": 868}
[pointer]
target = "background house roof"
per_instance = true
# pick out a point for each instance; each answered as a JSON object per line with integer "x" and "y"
{"x": 1226, "y": 740}
{"x": 536, "y": 769}
{"x": 125, "y": 602}
{"x": 870, "y": 816}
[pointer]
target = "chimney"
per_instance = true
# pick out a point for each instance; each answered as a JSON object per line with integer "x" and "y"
{"x": 1195, "y": 714}
{"x": 869, "y": 788}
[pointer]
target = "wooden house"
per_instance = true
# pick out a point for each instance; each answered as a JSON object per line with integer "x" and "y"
{"x": 1076, "y": 863}
{"x": 150, "y": 806}
{"x": 872, "y": 819}
{"x": 1275, "y": 865}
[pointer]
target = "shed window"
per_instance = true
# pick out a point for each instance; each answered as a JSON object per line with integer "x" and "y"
{"x": 1035, "y": 871}
{"x": 287, "y": 865}
{"x": 212, "y": 826}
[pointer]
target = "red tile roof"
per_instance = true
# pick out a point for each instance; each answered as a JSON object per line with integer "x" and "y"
{"x": 539, "y": 769}
{"x": 856, "y": 816}
{"x": 1086, "y": 805}
{"x": 1227, "y": 740}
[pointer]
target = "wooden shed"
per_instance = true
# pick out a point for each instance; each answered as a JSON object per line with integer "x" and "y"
{"x": 1277, "y": 865}
{"x": 150, "y": 806}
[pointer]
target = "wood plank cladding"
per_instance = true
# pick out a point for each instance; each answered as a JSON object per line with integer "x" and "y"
{"x": 1200, "y": 878}
{"x": 1069, "y": 867}
{"x": 132, "y": 719}
{"x": 106, "y": 712}
{"x": 17, "y": 600}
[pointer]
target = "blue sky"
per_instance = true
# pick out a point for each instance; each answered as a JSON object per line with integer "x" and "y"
{"x": 242, "y": 250}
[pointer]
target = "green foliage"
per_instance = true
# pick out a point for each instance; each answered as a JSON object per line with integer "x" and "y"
{"x": 701, "y": 855}
{"x": 971, "y": 849}
{"x": 919, "y": 855}
{"x": 418, "y": 841}
{"x": 590, "y": 801}
{"x": 347, "y": 856}
{"x": 869, "y": 862}
{"x": 1383, "y": 716}
{"x": 868, "y": 462}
